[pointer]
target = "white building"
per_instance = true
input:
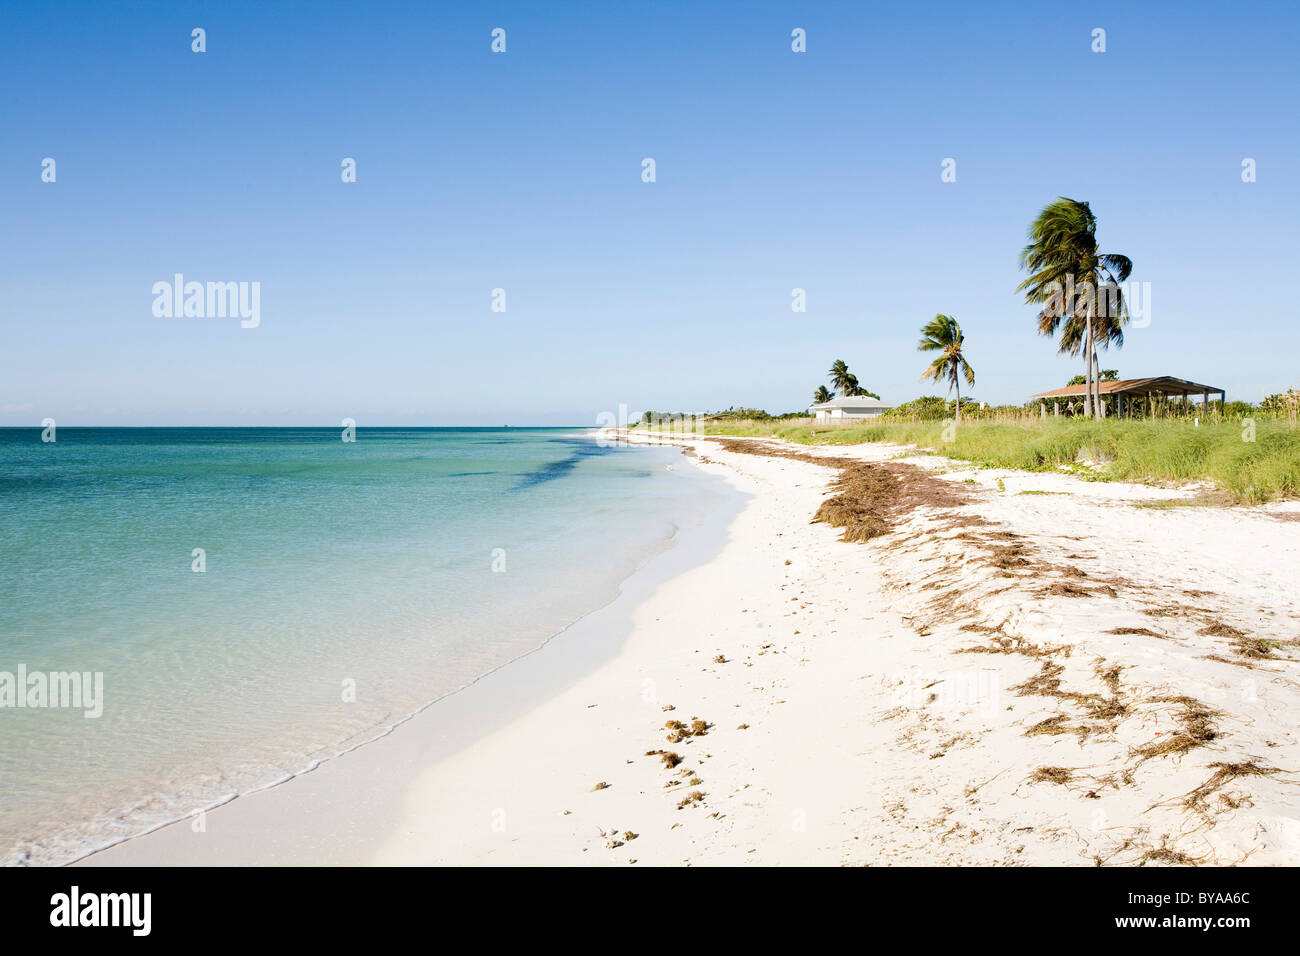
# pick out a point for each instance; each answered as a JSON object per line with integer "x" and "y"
{"x": 849, "y": 406}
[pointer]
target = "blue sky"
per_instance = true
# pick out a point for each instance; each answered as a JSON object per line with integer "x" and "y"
{"x": 522, "y": 171}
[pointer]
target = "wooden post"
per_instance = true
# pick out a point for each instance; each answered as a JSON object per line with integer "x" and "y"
{"x": 1205, "y": 404}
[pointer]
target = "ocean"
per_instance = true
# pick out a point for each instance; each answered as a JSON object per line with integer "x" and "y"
{"x": 255, "y": 600}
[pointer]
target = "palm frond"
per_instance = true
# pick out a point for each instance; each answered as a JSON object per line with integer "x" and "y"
{"x": 1119, "y": 266}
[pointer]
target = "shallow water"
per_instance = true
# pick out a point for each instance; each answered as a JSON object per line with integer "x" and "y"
{"x": 345, "y": 585}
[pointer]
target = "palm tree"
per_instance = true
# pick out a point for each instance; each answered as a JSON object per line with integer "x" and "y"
{"x": 822, "y": 395}
{"x": 1068, "y": 276}
{"x": 842, "y": 380}
{"x": 846, "y": 381}
{"x": 942, "y": 334}
{"x": 1107, "y": 330}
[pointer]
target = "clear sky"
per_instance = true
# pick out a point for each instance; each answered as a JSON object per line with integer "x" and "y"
{"x": 522, "y": 171}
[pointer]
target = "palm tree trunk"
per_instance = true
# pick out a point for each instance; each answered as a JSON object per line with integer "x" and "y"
{"x": 1088, "y": 406}
{"x": 956, "y": 383}
{"x": 1096, "y": 376}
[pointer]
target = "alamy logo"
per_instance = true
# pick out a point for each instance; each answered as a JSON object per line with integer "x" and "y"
{"x": 75, "y": 908}
{"x": 53, "y": 689}
{"x": 212, "y": 300}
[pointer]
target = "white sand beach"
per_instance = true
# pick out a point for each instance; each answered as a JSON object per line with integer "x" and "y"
{"x": 1047, "y": 674}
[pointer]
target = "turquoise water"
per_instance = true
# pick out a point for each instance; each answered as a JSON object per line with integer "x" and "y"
{"x": 346, "y": 585}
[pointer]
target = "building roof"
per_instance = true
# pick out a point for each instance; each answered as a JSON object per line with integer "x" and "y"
{"x": 1165, "y": 384}
{"x": 853, "y": 401}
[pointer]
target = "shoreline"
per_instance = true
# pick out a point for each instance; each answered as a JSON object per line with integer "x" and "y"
{"x": 851, "y": 721}
{"x": 497, "y": 696}
{"x": 999, "y": 680}
{"x": 250, "y": 703}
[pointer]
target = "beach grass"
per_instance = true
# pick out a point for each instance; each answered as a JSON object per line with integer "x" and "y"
{"x": 1251, "y": 464}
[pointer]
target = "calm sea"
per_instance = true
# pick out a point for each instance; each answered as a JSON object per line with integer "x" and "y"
{"x": 344, "y": 585}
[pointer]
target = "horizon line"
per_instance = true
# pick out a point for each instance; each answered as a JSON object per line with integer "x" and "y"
{"x": 38, "y": 427}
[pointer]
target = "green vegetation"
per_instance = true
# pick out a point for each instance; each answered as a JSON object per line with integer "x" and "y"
{"x": 1159, "y": 451}
{"x": 943, "y": 335}
{"x": 931, "y": 408}
{"x": 754, "y": 414}
{"x": 678, "y": 420}
{"x": 1286, "y": 405}
{"x": 1167, "y": 504}
{"x": 1107, "y": 375}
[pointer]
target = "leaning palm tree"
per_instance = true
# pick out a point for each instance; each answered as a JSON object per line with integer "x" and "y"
{"x": 847, "y": 382}
{"x": 842, "y": 380}
{"x": 943, "y": 335}
{"x": 822, "y": 395}
{"x": 1077, "y": 286}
